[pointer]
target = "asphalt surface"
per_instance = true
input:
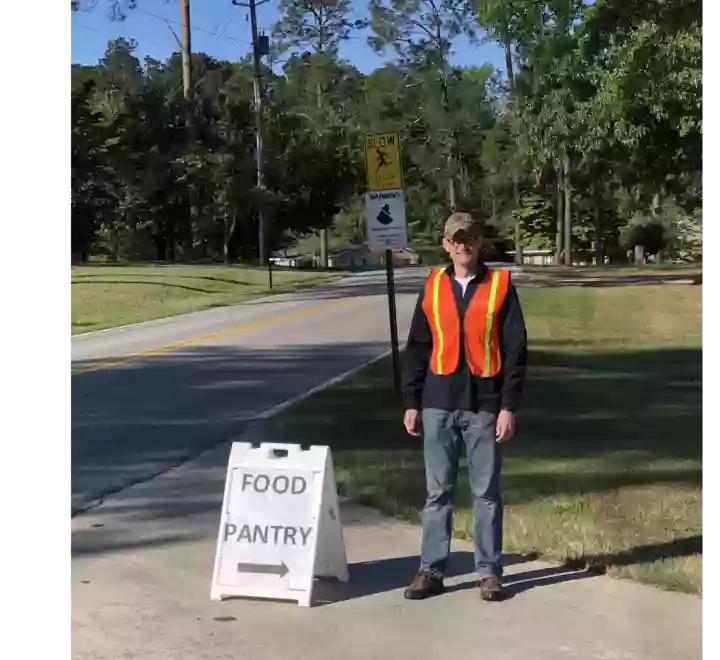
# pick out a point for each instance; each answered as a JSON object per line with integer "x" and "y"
{"x": 151, "y": 396}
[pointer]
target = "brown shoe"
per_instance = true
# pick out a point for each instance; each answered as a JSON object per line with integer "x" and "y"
{"x": 491, "y": 589}
{"x": 424, "y": 585}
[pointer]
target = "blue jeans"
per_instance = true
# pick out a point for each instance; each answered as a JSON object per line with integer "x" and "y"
{"x": 445, "y": 432}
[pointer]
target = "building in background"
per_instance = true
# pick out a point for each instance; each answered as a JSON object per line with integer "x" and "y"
{"x": 354, "y": 257}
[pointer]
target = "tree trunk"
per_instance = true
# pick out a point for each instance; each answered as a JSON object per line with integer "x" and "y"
{"x": 464, "y": 179}
{"x": 160, "y": 247}
{"x": 568, "y": 211}
{"x": 656, "y": 204}
{"x": 226, "y": 238}
{"x": 229, "y": 230}
{"x": 599, "y": 256}
{"x": 171, "y": 239}
{"x": 509, "y": 64}
{"x": 451, "y": 188}
{"x": 323, "y": 248}
{"x": 116, "y": 243}
{"x": 516, "y": 198}
{"x": 452, "y": 200}
{"x": 559, "y": 217}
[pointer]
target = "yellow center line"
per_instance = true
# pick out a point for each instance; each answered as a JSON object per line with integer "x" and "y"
{"x": 99, "y": 365}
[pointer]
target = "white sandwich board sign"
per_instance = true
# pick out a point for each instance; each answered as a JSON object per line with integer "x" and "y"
{"x": 280, "y": 525}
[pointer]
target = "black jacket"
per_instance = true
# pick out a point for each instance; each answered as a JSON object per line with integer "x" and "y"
{"x": 461, "y": 390}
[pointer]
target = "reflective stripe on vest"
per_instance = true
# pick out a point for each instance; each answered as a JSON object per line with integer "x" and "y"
{"x": 489, "y": 319}
{"x": 436, "y": 319}
{"x": 482, "y": 334}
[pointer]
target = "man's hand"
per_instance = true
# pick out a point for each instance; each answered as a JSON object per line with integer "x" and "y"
{"x": 411, "y": 421}
{"x": 505, "y": 427}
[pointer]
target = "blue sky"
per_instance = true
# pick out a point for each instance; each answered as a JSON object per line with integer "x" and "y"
{"x": 222, "y": 30}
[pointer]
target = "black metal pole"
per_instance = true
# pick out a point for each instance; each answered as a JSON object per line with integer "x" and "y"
{"x": 393, "y": 320}
{"x": 63, "y": 429}
{"x": 63, "y": 447}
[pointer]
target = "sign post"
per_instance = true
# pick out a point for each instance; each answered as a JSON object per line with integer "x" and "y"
{"x": 66, "y": 278}
{"x": 280, "y": 524}
{"x": 385, "y": 224}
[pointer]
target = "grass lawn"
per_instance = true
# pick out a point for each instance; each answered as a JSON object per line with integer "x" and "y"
{"x": 105, "y": 296}
{"x": 606, "y": 468}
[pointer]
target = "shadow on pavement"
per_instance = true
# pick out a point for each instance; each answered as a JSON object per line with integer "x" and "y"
{"x": 133, "y": 422}
{"x": 517, "y": 583}
{"x": 383, "y": 575}
{"x": 407, "y": 282}
{"x": 86, "y": 542}
{"x": 544, "y": 577}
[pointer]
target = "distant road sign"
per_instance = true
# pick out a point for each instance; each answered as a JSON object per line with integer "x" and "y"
{"x": 382, "y": 161}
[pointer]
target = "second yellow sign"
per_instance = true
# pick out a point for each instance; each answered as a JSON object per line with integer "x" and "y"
{"x": 382, "y": 161}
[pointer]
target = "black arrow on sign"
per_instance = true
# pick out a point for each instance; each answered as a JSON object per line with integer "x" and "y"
{"x": 264, "y": 569}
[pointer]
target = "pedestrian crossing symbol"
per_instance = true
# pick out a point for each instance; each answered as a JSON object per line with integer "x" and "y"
{"x": 382, "y": 161}
{"x": 384, "y": 217}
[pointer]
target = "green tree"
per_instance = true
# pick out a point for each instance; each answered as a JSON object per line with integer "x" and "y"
{"x": 421, "y": 33}
{"x": 320, "y": 26}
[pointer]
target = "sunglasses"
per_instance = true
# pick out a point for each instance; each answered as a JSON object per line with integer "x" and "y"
{"x": 463, "y": 238}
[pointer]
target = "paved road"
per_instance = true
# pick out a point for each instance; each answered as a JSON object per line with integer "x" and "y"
{"x": 142, "y": 567}
{"x": 150, "y": 396}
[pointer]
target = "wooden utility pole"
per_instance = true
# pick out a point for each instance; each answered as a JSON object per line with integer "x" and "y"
{"x": 323, "y": 232}
{"x": 186, "y": 49}
{"x": 259, "y": 132}
{"x": 65, "y": 34}
{"x": 189, "y": 95}
{"x": 516, "y": 167}
{"x": 452, "y": 197}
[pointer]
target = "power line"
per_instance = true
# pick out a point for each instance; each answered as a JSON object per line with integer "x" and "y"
{"x": 225, "y": 24}
{"x": 193, "y": 28}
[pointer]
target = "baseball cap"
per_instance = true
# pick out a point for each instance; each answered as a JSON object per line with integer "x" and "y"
{"x": 463, "y": 224}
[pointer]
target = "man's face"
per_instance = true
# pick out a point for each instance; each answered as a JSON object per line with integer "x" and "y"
{"x": 463, "y": 248}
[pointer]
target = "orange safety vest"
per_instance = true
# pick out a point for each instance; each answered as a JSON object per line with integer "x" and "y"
{"x": 482, "y": 334}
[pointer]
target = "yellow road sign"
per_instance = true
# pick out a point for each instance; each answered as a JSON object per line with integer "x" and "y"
{"x": 382, "y": 161}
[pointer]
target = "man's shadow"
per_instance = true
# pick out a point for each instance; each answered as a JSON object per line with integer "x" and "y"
{"x": 517, "y": 583}
{"x": 375, "y": 577}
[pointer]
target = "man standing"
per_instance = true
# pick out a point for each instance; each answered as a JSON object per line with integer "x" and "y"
{"x": 464, "y": 368}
